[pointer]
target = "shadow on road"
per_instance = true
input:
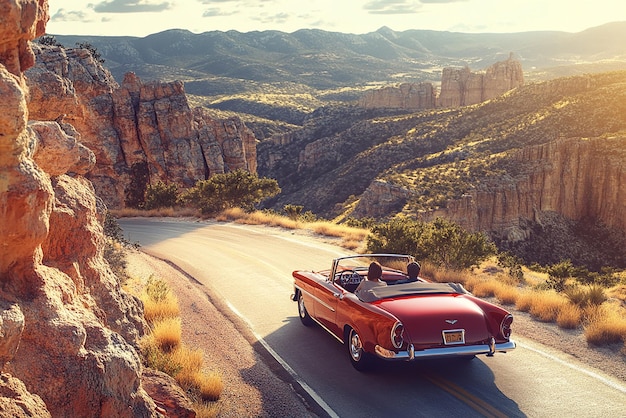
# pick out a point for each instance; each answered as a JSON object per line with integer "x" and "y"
{"x": 450, "y": 387}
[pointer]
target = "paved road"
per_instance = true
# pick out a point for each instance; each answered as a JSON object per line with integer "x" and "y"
{"x": 250, "y": 268}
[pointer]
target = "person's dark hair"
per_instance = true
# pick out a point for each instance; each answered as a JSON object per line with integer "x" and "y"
{"x": 413, "y": 270}
{"x": 375, "y": 271}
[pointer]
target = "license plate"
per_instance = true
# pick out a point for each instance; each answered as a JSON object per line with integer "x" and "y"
{"x": 456, "y": 336}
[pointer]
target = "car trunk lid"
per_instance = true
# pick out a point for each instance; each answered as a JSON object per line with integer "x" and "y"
{"x": 439, "y": 320}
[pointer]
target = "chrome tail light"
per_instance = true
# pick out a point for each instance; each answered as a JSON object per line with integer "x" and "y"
{"x": 397, "y": 335}
{"x": 505, "y": 326}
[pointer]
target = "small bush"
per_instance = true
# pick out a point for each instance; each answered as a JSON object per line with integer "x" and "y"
{"x": 608, "y": 328}
{"x": 161, "y": 195}
{"x": 569, "y": 316}
{"x": 238, "y": 188}
{"x": 546, "y": 306}
{"x": 585, "y": 296}
{"x": 293, "y": 211}
{"x": 167, "y": 333}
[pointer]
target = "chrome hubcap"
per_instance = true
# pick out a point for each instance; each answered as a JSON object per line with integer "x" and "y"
{"x": 355, "y": 346}
{"x": 301, "y": 307}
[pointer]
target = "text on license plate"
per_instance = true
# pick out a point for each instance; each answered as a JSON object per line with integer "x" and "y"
{"x": 456, "y": 336}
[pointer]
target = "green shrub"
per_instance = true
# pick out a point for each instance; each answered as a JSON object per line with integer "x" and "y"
{"x": 161, "y": 195}
{"x": 230, "y": 190}
{"x": 293, "y": 211}
{"x": 441, "y": 242}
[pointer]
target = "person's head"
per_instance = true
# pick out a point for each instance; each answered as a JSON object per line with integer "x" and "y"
{"x": 375, "y": 271}
{"x": 413, "y": 270}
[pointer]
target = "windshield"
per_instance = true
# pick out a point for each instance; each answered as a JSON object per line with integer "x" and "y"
{"x": 397, "y": 262}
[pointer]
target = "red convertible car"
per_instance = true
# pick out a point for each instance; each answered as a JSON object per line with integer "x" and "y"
{"x": 402, "y": 319}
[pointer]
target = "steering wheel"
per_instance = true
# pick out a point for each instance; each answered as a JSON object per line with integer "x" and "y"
{"x": 349, "y": 277}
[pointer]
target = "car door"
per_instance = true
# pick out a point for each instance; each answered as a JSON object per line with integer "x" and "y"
{"x": 327, "y": 296}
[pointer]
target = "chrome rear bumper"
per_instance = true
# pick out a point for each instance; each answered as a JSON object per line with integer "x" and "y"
{"x": 458, "y": 351}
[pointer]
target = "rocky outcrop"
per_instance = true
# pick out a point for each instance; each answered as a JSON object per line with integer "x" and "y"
{"x": 575, "y": 178}
{"x": 410, "y": 96}
{"x": 459, "y": 87}
{"x": 68, "y": 330}
{"x": 380, "y": 199}
{"x": 462, "y": 87}
{"x": 135, "y": 122}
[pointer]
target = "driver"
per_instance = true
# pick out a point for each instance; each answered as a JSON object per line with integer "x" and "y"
{"x": 374, "y": 274}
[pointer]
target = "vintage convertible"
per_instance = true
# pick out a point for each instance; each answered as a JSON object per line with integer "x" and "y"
{"x": 404, "y": 320}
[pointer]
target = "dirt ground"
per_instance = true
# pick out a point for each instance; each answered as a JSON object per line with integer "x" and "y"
{"x": 255, "y": 385}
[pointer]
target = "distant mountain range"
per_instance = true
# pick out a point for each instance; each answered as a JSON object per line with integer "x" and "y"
{"x": 214, "y": 63}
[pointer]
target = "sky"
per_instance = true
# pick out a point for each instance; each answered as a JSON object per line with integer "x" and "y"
{"x": 144, "y": 17}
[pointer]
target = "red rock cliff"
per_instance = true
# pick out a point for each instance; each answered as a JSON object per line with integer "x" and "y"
{"x": 576, "y": 178}
{"x": 134, "y": 123}
{"x": 67, "y": 327}
{"x": 459, "y": 87}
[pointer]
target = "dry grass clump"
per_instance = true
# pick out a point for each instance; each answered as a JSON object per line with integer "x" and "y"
{"x": 542, "y": 305}
{"x": 256, "y": 218}
{"x": 163, "y": 349}
{"x": 351, "y": 238}
{"x": 167, "y": 334}
{"x": 498, "y": 287}
{"x": 608, "y": 327}
{"x": 547, "y": 305}
{"x": 569, "y": 316}
{"x": 158, "y": 302}
{"x": 441, "y": 275}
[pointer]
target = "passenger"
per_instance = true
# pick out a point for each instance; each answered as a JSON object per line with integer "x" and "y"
{"x": 413, "y": 270}
{"x": 374, "y": 274}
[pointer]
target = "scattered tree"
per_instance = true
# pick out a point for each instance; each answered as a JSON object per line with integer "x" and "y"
{"x": 49, "y": 40}
{"x": 234, "y": 189}
{"x": 441, "y": 242}
{"x": 161, "y": 195}
{"x": 92, "y": 49}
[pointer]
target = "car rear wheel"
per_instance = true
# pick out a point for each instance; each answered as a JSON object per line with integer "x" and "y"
{"x": 360, "y": 359}
{"x": 305, "y": 318}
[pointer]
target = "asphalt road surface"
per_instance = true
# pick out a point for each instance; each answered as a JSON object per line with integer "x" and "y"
{"x": 250, "y": 268}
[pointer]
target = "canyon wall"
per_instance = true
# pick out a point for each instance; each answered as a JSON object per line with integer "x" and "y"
{"x": 410, "y": 96}
{"x": 69, "y": 332}
{"x": 576, "y": 178}
{"x": 135, "y": 122}
{"x": 459, "y": 87}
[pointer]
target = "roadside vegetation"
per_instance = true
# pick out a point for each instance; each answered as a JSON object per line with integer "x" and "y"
{"x": 570, "y": 296}
{"x": 162, "y": 348}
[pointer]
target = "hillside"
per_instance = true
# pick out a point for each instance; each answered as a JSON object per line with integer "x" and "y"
{"x": 226, "y": 63}
{"x": 492, "y": 167}
{"x": 354, "y": 162}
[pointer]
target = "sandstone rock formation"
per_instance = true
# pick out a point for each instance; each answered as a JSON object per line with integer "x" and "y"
{"x": 574, "y": 177}
{"x": 459, "y": 87}
{"x": 68, "y": 330}
{"x": 577, "y": 178}
{"x": 135, "y": 122}
{"x": 410, "y": 96}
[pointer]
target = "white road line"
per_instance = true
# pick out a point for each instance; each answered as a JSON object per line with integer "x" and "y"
{"x": 317, "y": 398}
{"x": 607, "y": 381}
